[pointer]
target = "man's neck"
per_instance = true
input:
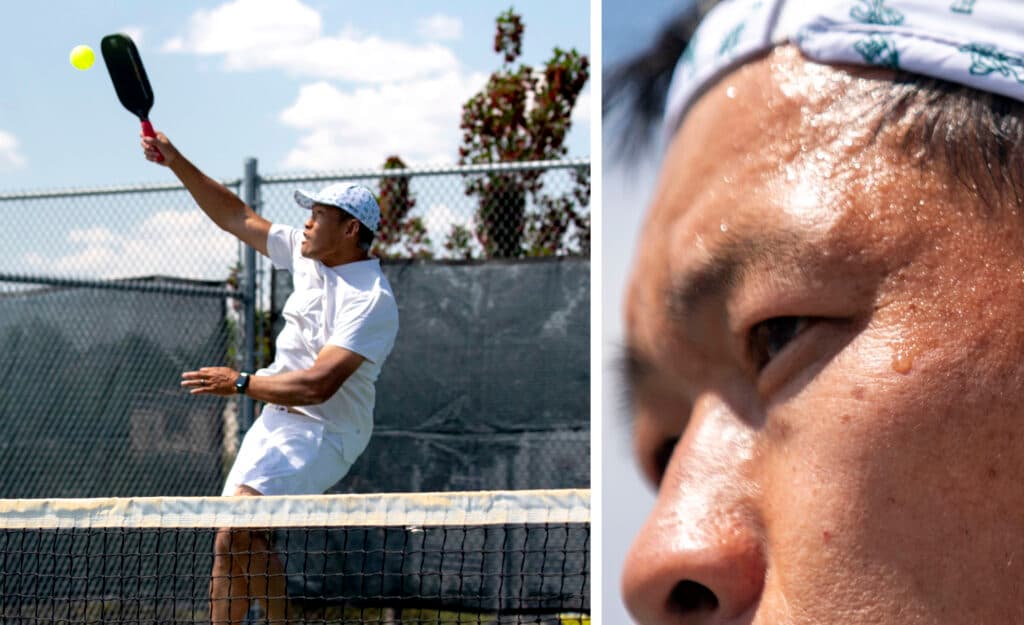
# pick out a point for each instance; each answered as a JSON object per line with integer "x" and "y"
{"x": 344, "y": 257}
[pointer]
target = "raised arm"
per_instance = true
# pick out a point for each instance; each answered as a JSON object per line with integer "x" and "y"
{"x": 221, "y": 205}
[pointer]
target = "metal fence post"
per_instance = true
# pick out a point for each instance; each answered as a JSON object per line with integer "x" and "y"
{"x": 251, "y": 197}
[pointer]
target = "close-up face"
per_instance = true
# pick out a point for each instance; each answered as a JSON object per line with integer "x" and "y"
{"x": 325, "y": 231}
{"x": 824, "y": 358}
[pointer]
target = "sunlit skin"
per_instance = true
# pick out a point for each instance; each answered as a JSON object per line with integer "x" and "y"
{"x": 331, "y": 237}
{"x": 832, "y": 331}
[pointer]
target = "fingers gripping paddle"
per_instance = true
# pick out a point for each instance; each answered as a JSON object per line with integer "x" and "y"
{"x": 129, "y": 78}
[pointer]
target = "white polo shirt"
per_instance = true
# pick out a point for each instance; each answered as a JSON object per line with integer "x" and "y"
{"x": 350, "y": 306}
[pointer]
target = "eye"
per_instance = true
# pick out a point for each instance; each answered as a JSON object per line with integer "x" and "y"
{"x": 768, "y": 338}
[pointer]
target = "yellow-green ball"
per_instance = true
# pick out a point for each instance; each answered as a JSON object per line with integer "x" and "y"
{"x": 82, "y": 57}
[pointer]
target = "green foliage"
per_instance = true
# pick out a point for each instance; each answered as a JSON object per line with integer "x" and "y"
{"x": 458, "y": 243}
{"x": 523, "y": 114}
{"x": 264, "y": 328}
{"x": 508, "y": 40}
{"x": 547, "y": 229}
{"x": 399, "y": 235}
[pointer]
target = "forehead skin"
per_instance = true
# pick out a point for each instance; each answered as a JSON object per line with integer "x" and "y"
{"x": 876, "y": 471}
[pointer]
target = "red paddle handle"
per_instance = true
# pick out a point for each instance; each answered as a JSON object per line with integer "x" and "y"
{"x": 147, "y": 130}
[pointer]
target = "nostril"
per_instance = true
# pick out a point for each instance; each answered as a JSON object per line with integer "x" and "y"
{"x": 691, "y": 598}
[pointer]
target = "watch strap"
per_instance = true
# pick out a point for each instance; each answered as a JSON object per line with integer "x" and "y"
{"x": 242, "y": 383}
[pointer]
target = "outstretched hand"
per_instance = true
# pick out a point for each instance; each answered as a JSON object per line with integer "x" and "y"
{"x": 153, "y": 147}
{"x": 210, "y": 381}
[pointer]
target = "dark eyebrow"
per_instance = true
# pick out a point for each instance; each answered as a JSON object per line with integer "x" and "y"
{"x": 731, "y": 259}
{"x": 693, "y": 289}
{"x": 634, "y": 371}
{"x": 632, "y": 368}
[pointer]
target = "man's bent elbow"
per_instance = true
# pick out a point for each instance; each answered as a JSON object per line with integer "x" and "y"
{"x": 320, "y": 389}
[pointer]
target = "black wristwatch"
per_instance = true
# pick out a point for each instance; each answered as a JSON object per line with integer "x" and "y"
{"x": 242, "y": 383}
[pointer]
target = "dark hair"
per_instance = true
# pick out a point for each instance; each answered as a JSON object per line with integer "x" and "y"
{"x": 634, "y": 91}
{"x": 365, "y": 238}
{"x": 978, "y": 135}
{"x": 365, "y": 234}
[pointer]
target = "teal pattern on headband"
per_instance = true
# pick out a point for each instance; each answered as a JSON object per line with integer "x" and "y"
{"x": 875, "y": 12}
{"x": 965, "y": 7}
{"x": 986, "y": 59}
{"x": 689, "y": 58}
{"x": 732, "y": 39}
{"x": 879, "y": 50}
{"x": 975, "y": 43}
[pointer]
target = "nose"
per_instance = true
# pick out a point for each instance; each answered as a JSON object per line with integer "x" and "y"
{"x": 699, "y": 559}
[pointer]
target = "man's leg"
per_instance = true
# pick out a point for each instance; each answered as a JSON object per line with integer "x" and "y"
{"x": 229, "y": 590}
{"x": 244, "y": 567}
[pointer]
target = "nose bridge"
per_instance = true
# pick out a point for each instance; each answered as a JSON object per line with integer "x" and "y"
{"x": 699, "y": 558}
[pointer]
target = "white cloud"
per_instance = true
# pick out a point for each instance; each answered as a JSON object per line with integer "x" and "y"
{"x": 355, "y": 58}
{"x": 10, "y": 156}
{"x": 440, "y": 27}
{"x": 581, "y": 112}
{"x": 174, "y": 44}
{"x": 247, "y": 26}
{"x": 151, "y": 247}
{"x": 417, "y": 120}
{"x": 135, "y": 32}
{"x": 368, "y": 96}
{"x": 286, "y": 34}
{"x": 92, "y": 236}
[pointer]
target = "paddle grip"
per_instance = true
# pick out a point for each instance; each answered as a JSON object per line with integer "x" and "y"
{"x": 147, "y": 130}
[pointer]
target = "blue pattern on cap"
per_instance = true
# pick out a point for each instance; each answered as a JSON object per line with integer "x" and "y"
{"x": 354, "y": 199}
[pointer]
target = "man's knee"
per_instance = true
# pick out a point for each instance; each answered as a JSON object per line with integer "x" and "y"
{"x": 246, "y": 491}
{"x": 240, "y": 542}
{"x": 236, "y": 542}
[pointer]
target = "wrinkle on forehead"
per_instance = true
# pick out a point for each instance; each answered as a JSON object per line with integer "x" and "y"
{"x": 801, "y": 135}
{"x": 770, "y": 148}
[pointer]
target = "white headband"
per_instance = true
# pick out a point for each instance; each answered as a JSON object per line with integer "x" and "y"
{"x": 978, "y": 43}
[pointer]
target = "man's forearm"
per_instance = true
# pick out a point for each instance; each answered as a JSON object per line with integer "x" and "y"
{"x": 216, "y": 200}
{"x": 305, "y": 387}
{"x": 293, "y": 388}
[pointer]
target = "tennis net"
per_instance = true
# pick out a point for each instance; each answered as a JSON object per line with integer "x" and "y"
{"x": 473, "y": 557}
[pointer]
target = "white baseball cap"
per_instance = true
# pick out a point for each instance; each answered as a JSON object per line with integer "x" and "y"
{"x": 354, "y": 199}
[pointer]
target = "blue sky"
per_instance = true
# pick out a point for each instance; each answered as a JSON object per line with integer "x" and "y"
{"x": 300, "y": 85}
{"x": 627, "y": 27}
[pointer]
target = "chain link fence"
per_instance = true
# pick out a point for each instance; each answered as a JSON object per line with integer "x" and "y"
{"x": 511, "y": 210}
{"x": 107, "y": 295}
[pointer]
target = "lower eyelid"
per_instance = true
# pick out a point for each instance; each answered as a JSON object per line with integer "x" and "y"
{"x": 746, "y": 339}
{"x": 824, "y": 343}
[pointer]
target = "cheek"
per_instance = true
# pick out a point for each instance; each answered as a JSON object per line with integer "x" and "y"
{"x": 897, "y": 469}
{"x": 319, "y": 233}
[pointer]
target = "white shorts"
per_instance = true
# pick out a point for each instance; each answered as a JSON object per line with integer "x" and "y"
{"x": 284, "y": 453}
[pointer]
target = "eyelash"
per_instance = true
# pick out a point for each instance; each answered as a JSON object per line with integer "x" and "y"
{"x": 763, "y": 346}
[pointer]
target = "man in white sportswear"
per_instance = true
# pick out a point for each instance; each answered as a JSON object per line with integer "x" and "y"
{"x": 340, "y": 324}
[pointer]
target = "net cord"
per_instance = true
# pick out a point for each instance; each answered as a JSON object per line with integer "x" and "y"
{"x": 389, "y": 509}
